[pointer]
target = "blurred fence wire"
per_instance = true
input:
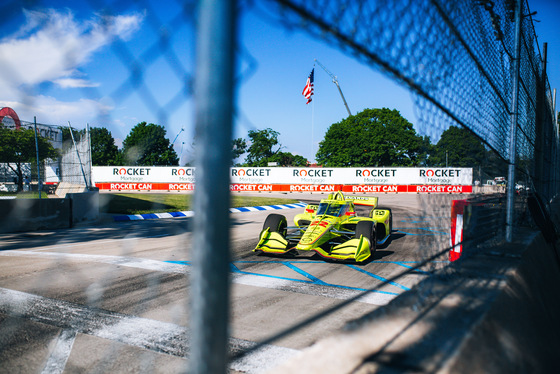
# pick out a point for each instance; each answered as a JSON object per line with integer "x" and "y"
{"x": 456, "y": 57}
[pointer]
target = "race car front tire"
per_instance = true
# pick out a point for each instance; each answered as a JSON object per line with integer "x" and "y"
{"x": 367, "y": 230}
{"x": 276, "y": 223}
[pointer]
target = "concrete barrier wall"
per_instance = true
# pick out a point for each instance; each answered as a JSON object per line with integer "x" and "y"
{"x": 44, "y": 214}
{"x": 34, "y": 214}
{"x": 496, "y": 311}
{"x": 85, "y": 206}
{"x": 521, "y": 331}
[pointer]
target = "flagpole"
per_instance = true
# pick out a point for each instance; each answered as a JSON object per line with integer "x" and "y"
{"x": 312, "y": 131}
{"x": 307, "y": 93}
{"x": 313, "y": 153}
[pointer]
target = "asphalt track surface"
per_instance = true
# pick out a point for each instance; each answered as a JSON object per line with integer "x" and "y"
{"x": 113, "y": 296}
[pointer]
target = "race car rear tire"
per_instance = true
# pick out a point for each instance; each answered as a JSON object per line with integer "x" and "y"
{"x": 390, "y": 230}
{"x": 276, "y": 223}
{"x": 367, "y": 229}
{"x": 390, "y": 220}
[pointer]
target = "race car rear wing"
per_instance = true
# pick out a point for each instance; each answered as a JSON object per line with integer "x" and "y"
{"x": 360, "y": 200}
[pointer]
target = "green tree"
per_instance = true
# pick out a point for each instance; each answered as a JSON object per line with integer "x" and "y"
{"x": 238, "y": 147}
{"x": 147, "y": 145}
{"x": 288, "y": 159}
{"x": 104, "y": 152}
{"x": 426, "y": 149}
{"x": 458, "y": 147}
{"x": 262, "y": 147}
{"x": 67, "y": 142}
{"x": 373, "y": 137}
{"x": 18, "y": 147}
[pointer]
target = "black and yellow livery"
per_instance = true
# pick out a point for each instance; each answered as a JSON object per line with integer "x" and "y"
{"x": 332, "y": 229}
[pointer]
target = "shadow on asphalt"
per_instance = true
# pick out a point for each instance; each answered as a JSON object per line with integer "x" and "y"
{"x": 95, "y": 231}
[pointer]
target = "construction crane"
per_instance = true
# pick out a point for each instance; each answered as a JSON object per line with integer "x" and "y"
{"x": 335, "y": 81}
{"x": 174, "y": 140}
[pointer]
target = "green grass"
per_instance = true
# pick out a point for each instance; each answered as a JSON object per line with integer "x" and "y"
{"x": 124, "y": 203}
{"x": 25, "y": 195}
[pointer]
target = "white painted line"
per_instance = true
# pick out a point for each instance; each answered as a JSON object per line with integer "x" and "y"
{"x": 333, "y": 292}
{"x": 60, "y": 246}
{"x": 59, "y": 356}
{"x": 140, "y": 332}
{"x": 263, "y": 359}
{"x": 139, "y": 263}
{"x": 164, "y": 215}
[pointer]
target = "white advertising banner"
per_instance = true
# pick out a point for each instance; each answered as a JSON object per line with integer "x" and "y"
{"x": 142, "y": 174}
{"x": 279, "y": 175}
{"x": 379, "y": 176}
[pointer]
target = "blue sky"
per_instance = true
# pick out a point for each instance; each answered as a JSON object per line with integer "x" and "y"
{"x": 64, "y": 61}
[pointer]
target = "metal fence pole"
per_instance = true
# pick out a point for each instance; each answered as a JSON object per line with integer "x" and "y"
{"x": 214, "y": 93}
{"x": 90, "y": 166}
{"x": 39, "y": 187}
{"x": 513, "y": 128}
{"x": 547, "y": 128}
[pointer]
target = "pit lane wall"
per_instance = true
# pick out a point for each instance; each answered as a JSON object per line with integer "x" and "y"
{"x": 280, "y": 179}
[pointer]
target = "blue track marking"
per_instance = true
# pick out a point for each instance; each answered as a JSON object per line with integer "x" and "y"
{"x": 427, "y": 231}
{"x": 423, "y": 230}
{"x": 179, "y": 262}
{"x": 377, "y": 277}
{"x": 235, "y": 269}
{"x": 409, "y": 264}
{"x": 138, "y": 217}
{"x": 304, "y": 273}
{"x": 315, "y": 280}
{"x": 311, "y": 279}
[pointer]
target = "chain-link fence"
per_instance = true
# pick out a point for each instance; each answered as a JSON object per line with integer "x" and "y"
{"x": 458, "y": 58}
{"x": 64, "y": 156}
{"x": 466, "y": 67}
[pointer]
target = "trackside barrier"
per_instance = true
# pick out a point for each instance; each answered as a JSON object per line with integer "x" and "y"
{"x": 249, "y": 187}
{"x": 456, "y": 237}
{"x": 474, "y": 221}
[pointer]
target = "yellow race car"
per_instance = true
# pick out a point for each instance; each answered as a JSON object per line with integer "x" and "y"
{"x": 332, "y": 229}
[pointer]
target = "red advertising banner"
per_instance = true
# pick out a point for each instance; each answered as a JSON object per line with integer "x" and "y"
{"x": 249, "y": 187}
{"x": 146, "y": 186}
{"x": 374, "y": 188}
{"x": 439, "y": 189}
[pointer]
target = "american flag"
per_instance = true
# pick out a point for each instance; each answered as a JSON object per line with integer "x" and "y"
{"x": 308, "y": 89}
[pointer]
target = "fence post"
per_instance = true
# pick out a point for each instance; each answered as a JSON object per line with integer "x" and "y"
{"x": 513, "y": 128}
{"x": 39, "y": 187}
{"x": 209, "y": 291}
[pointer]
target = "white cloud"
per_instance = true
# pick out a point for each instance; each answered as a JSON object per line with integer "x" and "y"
{"x": 52, "y": 111}
{"x": 49, "y": 48}
{"x": 75, "y": 83}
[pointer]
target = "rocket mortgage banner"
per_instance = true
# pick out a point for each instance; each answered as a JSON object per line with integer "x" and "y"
{"x": 280, "y": 175}
{"x": 356, "y": 180}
